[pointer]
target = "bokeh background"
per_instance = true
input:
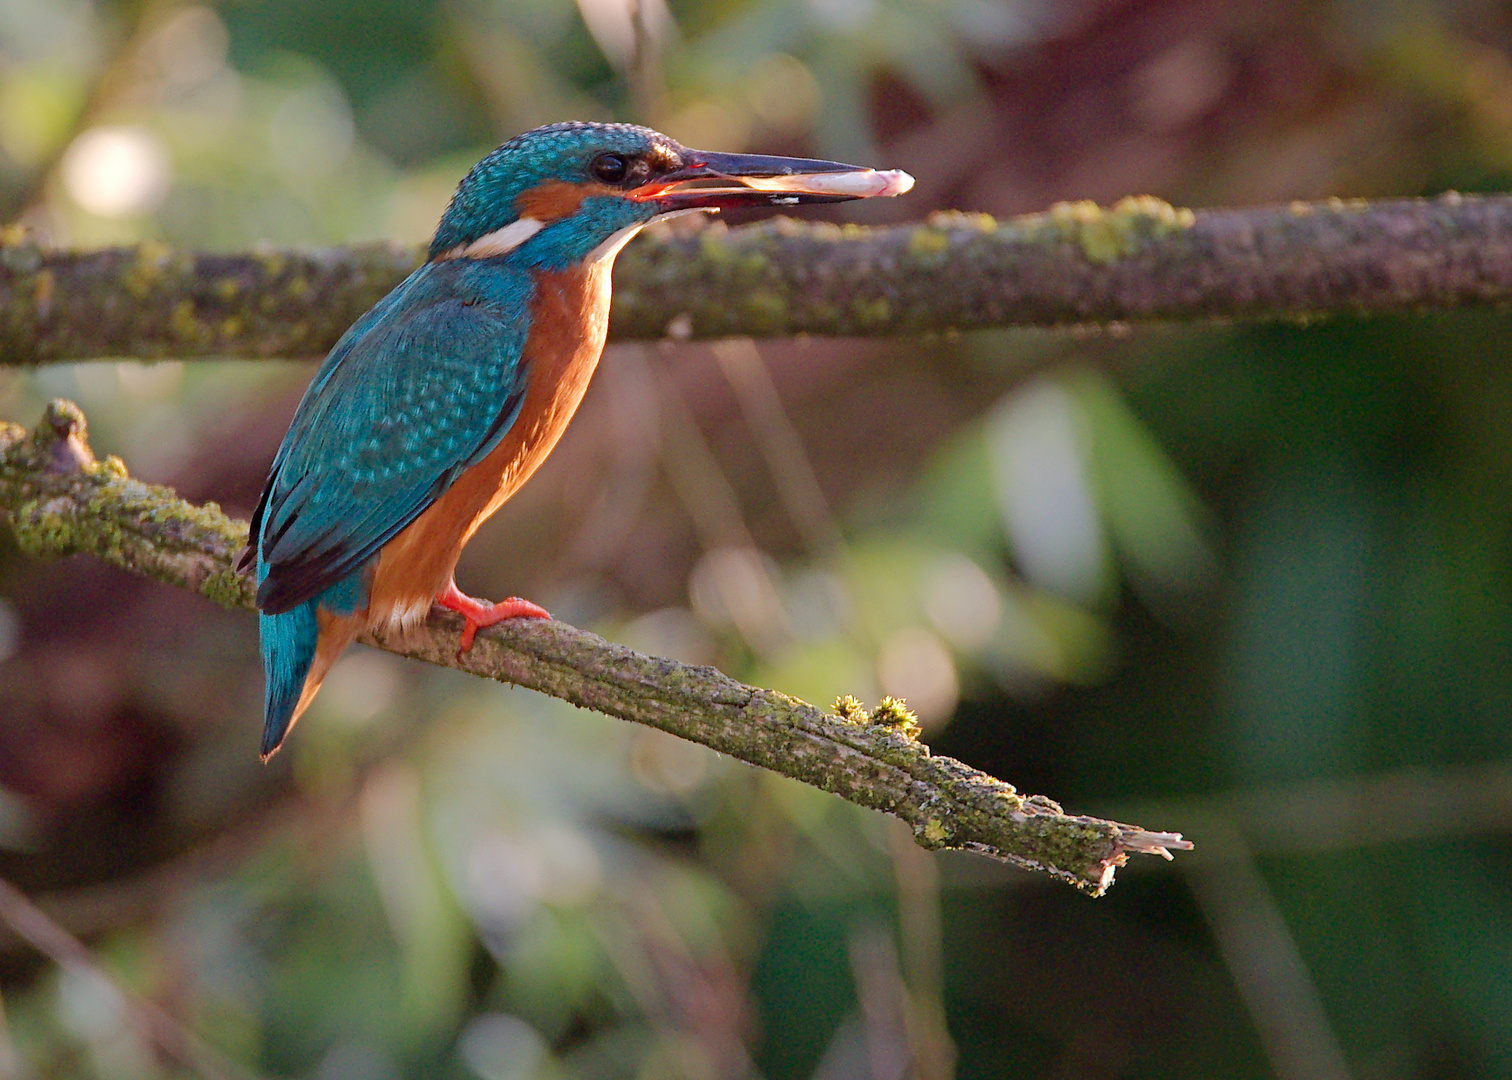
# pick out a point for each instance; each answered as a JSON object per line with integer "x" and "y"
{"x": 1250, "y": 583}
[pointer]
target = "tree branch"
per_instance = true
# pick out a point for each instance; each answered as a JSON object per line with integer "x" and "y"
{"x": 155, "y": 1025}
{"x": 62, "y": 501}
{"x": 1075, "y": 264}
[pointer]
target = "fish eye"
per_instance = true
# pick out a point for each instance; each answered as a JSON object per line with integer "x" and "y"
{"x": 610, "y": 168}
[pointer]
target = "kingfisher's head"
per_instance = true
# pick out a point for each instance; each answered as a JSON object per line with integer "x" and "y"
{"x": 566, "y": 193}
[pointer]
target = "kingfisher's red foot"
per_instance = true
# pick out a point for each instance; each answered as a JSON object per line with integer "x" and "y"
{"x": 481, "y": 613}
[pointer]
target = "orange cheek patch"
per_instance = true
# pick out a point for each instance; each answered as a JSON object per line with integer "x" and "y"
{"x": 556, "y": 199}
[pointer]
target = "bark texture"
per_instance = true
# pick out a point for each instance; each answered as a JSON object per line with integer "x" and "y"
{"x": 62, "y": 501}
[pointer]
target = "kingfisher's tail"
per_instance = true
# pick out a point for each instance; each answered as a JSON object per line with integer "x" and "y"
{"x": 298, "y": 648}
{"x": 289, "y": 642}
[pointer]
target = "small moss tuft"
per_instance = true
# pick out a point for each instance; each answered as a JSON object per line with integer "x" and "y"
{"x": 1107, "y": 235}
{"x": 894, "y": 714}
{"x": 932, "y": 832}
{"x": 962, "y": 219}
{"x": 112, "y": 468}
{"x": 850, "y": 710}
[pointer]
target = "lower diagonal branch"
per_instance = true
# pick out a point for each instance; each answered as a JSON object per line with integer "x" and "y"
{"x": 62, "y": 501}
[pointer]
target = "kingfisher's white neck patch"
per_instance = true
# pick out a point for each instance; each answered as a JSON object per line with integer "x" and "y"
{"x": 609, "y": 248}
{"x": 498, "y": 242}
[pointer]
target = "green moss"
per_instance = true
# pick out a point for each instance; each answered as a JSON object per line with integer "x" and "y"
{"x": 111, "y": 467}
{"x": 894, "y": 714}
{"x": 1337, "y": 205}
{"x": 932, "y": 832}
{"x": 182, "y": 323}
{"x": 925, "y": 242}
{"x": 766, "y": 310}
{"x": 1066, "y": 845}
{"x": 871, "y": 313}
{"x": 147, "y": 270}
{"x": 168, "y": 509}
{"x": 41, "y": 533}
{"x": 754, "y": 264}
{"x": 894, "y": 747}
{"x": 850, "y": 710}
{"x": 962, "y": 219}
{"x": 1043, "y": 804}
{"x": 1107, "y": 235}
{"x": 712, "y": 246}
{"x": 273, "y": 263}
{"x": 228, "y": 589}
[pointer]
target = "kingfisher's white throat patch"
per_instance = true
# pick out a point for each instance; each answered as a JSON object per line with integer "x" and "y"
{"x": 609, "y": 248}
{"x": 498, "y": 242}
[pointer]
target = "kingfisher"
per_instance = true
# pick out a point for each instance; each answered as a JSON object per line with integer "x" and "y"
{"x": 438, "y": 404}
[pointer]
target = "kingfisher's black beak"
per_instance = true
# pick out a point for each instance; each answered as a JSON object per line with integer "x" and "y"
{"x": 718, "y": 180}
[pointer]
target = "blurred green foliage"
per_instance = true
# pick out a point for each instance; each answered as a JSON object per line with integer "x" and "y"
{"x": 1197, "y": 577}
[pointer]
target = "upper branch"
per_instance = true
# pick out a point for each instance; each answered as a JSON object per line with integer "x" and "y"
{"x": 1076, "y": 263}
{"x": 62, "y": 501}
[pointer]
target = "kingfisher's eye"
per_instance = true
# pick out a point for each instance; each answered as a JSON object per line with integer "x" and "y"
{"x": 610, "y": 168}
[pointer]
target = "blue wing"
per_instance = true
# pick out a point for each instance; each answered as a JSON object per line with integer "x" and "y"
{"x": 418, "y": 390}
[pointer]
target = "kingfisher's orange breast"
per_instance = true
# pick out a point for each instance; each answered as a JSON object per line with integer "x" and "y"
{"x": 569, "y": 319}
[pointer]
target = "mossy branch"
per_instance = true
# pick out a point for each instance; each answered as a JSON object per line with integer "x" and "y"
{"x": 1075, "y": 264}
{"x": 63, "y": 501}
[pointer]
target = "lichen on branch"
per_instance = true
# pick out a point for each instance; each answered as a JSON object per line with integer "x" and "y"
{"x": 63, "y": 501}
